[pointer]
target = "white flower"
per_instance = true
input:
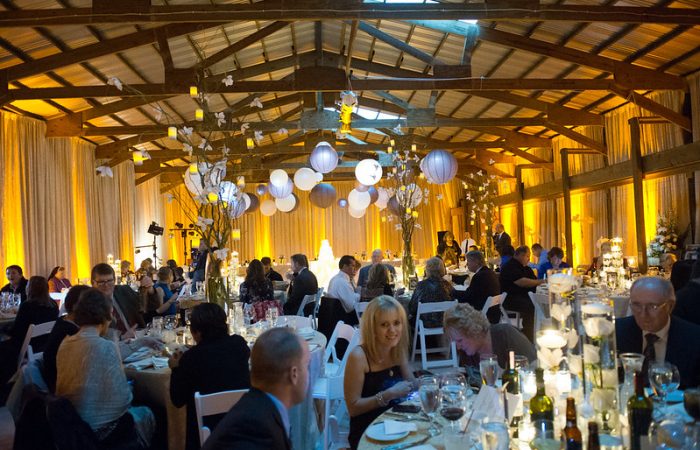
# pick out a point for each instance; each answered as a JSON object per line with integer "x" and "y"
{"x": 225, "y": 150}
{"x": 598, "y": 327}
{"x": 244, "y": 127}
{"x": 439, "y": 196}
{"x": 187, "y": 148}
{"x": 561, "y": 311}
{"x": 258, "y": 136}
{"x": 222, "y": 253}
{"x": 491, "y": 162}
{"x": 549, "y": 358}
{"x": 397, "y": 227}
{"x": 220, "y": 118}
{"x": 204, "y": 222}
{"x": 417, "y": 226}
{"x": 572, "y": 338}
{"x": 228, "y": 80}
{"x": 187, "y": 131}
{"x": 105, "y": 171}
{"x": 116, "y": 82}
{"x": 256, "y": 103}
{"x": 480, "y": 173}
{"x": 282, "y": 131}
{"x": 590, "y": 354}
{"x": 159, "y": 113}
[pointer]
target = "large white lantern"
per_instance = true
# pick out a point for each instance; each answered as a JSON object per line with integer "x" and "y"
{"x": 323, "y": 158}
{"x": 368, "y": 172}
{"x": 439, "y": 166}
{"x": 286, "y": 204}
{"x": 356, "y": 213}
{"x": 283, "y": 191}
{"x": 228, "y": 192}
{"x": 305, "y": 179}
{"x": 383, "y": 198}
{"x": 416, "y": 196}
{"x": 203, "y": 178}
{"x": 279, "y": 178}
{"x": 268, "y": 207}
{"x": 359, "y": 200}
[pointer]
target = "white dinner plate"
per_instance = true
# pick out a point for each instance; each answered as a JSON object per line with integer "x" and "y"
{"x": 376, "y": 433}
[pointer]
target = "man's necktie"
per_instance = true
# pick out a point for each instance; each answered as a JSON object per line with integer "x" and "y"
{"x": 649, "y": 354}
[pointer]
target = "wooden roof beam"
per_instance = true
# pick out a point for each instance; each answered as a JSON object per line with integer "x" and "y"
{"x": 399, "y": 44}
{"x": 654, "y": 107}
{"x": 344, "y": 10}
{"x": 243, "y": 43}
{"x": 578, "y": 137}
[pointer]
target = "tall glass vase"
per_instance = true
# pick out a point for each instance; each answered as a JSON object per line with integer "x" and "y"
{"x": 408, "y": 268}
{"x": 215, "y": 284}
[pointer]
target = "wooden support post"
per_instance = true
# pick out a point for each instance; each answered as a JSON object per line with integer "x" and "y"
{"x": 638, "y": 190}
{"x": 520, "y": 211}
{"x": 566, "y": 184}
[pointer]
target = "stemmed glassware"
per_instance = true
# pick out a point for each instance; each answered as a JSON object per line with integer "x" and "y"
{"x": 488, "y": 366}
{"x": 453, "y": 397}
{"x": 664, "y": 379}
{"x": 691, "y": 401}
{"x": 429, "y": 390}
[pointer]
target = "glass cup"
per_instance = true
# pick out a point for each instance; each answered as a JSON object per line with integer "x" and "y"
{"x": 453, "y": 403}
{"x": 454, "y": 439}
{"x": 429, "y": 391}
{"x": 157, "y": 326}
{"x": 488, "y": 366}
{"x": 271, "y": 315}
{"x": 664, "y": 378}
{"x": 494, "y": 435}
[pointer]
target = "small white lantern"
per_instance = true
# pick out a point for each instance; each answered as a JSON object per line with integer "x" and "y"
{"x": 268, "y": 207}
{"x": 286, "y": 204}
{"x": 439, "y": 166}
{"x": 359, "y": 200}
{"x": 356, "y": 213}
{"x": 228, "y": 191}
{"x": 278, "y": 177}
{"x": 282, "y": 191}
{"x": 305, "y": 179}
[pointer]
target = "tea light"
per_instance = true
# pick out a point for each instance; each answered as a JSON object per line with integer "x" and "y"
{"x": 199, "y": 114}
{"x": 551, "y": 339}
{"x": 172, "y": 132}
{"x": 194, "y": 91}
{"x": 528, "y": 384}
{"x": 563, "y": 381}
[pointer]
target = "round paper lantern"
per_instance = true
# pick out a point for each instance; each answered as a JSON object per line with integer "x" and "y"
{"x": 236, "y": 208}
{"x": 268, "y": 207}
{"x": 228, "y": 191}
{"x": 394, "y": 206}
{"x": 361, "y": 187}
{"x": 323, "y": 158}
{"x": 201, "y": 178}
{"x": 439, "y": 166}
{"x": 383, "y": 198}
{"x": 283, "y": 191}
{"x": 414, "y": 191}
{"x": 279, "y": 178}
{"x": 359, "y": 200}
{"x": 368, "y": 172}
{"x": 356, "y": 213}
{"x": 261, "y": 189}
{"x": 305, "y": 179}
{"x": 342, "y": 203}
{"x": 296, "y": 203}
{"x": 322, "y": 195}
{"x": 373, "y": 195}
{"x": 319, "y": 176}
{"x": 286, "y": 204}
{"x": 254, "y": 203}
{"x": 246, "y": 200}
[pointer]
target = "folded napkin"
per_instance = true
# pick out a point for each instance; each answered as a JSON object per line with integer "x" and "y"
{"x": 142, "y": 353}
{"x": 305, "y": 332}
{"x": 140, "y": 365}
{"x": 396, "y": 427}
{"x": 460, "y": 287}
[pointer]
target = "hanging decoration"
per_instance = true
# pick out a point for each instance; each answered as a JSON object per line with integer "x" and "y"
{"x": 439, "y": 166}
{"x": 342, "y": 203}
{"x": 359, "y": 200}
{"x": 282, "y": 191}
{"x": 254, "y": 203}
{"x": 278, "y": 178}
{"x": 356, "y": 213}
{"x": 322, "y": 195}
{"x": 305, "y": 179}
{"x": 368, "y": 172}
{"x": 261, "y": 189}
{"x": 480, "y": 191}
{"x": 286, "y": 204}
{"x": 382, "y": 198}
{"x": 348, "y": 101}
{"x": 268, "y": 208}
{"x": 373, "y": 195}
{"x": 323, "y": 158}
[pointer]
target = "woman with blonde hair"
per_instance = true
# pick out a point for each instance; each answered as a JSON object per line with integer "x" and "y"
{"x": 377, "y": 374}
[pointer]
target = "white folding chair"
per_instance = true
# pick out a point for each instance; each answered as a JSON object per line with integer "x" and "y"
{"x": 308, "y": 299}
{"x": 360, "y": 308}
{"x": 539, "y": 314}
{"x": 297, "y": 322}
{"x": 421, "y": 331}
{"x": 32, "y": 332}
{"x": 330, "y": 387}
{"x": 496, "y": 300}
{"x": 210, "y": 404}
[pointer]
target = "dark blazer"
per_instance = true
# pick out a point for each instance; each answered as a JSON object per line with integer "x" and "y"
{"x": 501, "y": 242}
{"x": 484, "y": 284}
{"x": 683, "y": 349}
{"x": 688, "y": 302}
{"x": 129, "y": 303}
{"x": 273, "y": 275}
{"x": 363, "y": 276}
{"x": 254, "y": 423}
{"x": 21, "y": 289}
{"x": 214, "y": 365}
{"x": 304, "y": 283}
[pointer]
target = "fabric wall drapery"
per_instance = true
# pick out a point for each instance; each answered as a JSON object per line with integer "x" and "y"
{"x": 55, "y": 210}
{"x": 694, "y": 83}
{"x": 150, "y": 207}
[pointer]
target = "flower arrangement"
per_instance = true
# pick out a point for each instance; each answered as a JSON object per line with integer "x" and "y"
{"x": 666, "y": 239}
{"x": 480, "y": 191}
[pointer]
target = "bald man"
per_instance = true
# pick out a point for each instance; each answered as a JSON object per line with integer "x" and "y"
{"x": 377, "y": 258}
{"x": 654, "y": 332}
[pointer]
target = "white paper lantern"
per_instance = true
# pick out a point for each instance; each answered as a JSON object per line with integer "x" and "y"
{"x": 356, "y": 213}
{"x": 414, "y": 191}
{"x": 383, "y": 198}
{"x": 373, "y": 194}
{"x": 439, "y": 166}
{"x": 228, "y": 191}
{"x": 236, "y": 208}
{"x": 319, "y": 176}
{"x": 268, "y": 207}
{"x": 286, "y": 204}
{"x": 246, "y": 200}
{"x": 342, "y": 202}
{"x": 305, "y": 179}
{"x": 368, "y": 172}
{"x": 359, "y": 200}
{"x": 202, "y": 178}
{"x": 282, "y": 192}
{"x": 323, "y": 158}
{"x": 261, "y": 189}
{"x": 279, "y": 178}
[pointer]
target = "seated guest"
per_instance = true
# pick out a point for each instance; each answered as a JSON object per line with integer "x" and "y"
{"x": 39, "y": 308}
{"x": 517, "y": 279}
{"x": 604, "y": 246}
{"x": 666, "y": 262}
{"x": 506, "y": 253}
{"x": 688, "y": 298}
{"x": 377, "y": 374}
{"x": 90, "y": 375}
{"x": 178, "y": 273}
{"x": 474, "y": 335}
{"x": 658, "y": 335}
{"x": 377, "y": 284}
{"x": 153, "y": 301}
{"x": 125, "y": 303}
{"x": 484, "y": 284}
{"x": 303, "y": 282}
{"x": 434, "y": 288}
{"x": 342, "y": 286}
{"x": 65, "y": 326}
{"x": 377, "y": 258}
{"x": 57, "y": 280}
{"x": 555, "y": 258}
{"x": 125, "y": 268}
{"x": 681, "y": 274}
{"x": 279, "y": 375}
{"x": 256, "y": 287}
{"x": 449, "y": 249}
{"x": 167, "y": 298}
{"x": 217, "y": 363}
{"x": 270, "y": 273}
{"x": 539, "y": 256}
{"x": 17, "y": 283}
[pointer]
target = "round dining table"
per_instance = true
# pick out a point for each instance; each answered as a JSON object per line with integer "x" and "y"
{"x": 152, "y": 388}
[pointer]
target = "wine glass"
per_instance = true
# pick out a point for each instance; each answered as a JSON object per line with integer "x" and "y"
{"x": 494, "y": 435}
{"x": 453, "y": 402}
{"x": 429, "y": 390}
{"x": 664, "y": 379}
{"x": 488, "y": 366}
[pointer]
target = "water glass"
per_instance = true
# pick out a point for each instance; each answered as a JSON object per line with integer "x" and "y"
{"x": 454, "y": 439}
{"x": 157, "y": 326}
{"x": 664, "y": 378}
{"x": 271, "y": 315}
{"x": 494, "y": 435}
{"x": 429, "y": 390}
{"x": 488, "y": 366}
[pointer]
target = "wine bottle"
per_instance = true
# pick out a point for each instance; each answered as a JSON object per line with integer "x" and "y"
{"x": 593, "y": 439}
{"x": 639, "y": 412}
{"x": 541, "y": 406}
{"x": 511, "y": 380}
{"x": 571, "y": 435}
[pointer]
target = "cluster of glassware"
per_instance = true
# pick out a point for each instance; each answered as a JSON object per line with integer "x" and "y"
{"x": 241, "y": 320}
{"x": 166, "y": 329}
{"x": 9, "y": 303}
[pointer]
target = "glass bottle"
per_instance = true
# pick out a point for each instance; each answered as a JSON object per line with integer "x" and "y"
{"x": 639, "y": 413}
{"x": 541, "y": 406}
{"x": 593, "y": 439}
{"x": 571, "y": 435}
{"x": 511, "y": 380}
{"x": 631, "y": 363}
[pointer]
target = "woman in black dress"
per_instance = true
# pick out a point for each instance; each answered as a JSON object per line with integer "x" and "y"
{"x": 377, "y": 374}
{"x": 449, "y": 249}
{"x": 256, "y": 286}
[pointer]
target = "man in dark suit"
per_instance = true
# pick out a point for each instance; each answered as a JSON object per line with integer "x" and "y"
{"x": 270, "y": 273}
{"x": 279, "y": 374}
{"x": 517, "y": 279}
{"x": 126, "y": 304}
{"x": 654, "y": 332}
{"x": 484, "y": 284}
{"x": 377, "y": 258}
{"x": 303, "y": 282}
{"x": 500, "y": 238}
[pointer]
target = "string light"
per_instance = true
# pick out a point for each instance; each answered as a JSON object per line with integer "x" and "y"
{"x": 199, "y": 114}
{"x": 172, "y": 132}
{"x": 194, "y": 91}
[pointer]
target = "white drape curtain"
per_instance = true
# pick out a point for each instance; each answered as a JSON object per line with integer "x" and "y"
{"x": 150, "y": 207}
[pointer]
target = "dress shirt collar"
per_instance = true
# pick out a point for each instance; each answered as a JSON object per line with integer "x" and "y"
{"x": 662, "y": 333}
{"x": 661, "y": 343}
{"x": 284, "y": 414}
